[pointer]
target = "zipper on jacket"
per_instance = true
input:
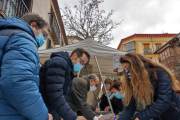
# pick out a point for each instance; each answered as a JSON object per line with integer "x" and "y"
{"x": 174, "y": 106}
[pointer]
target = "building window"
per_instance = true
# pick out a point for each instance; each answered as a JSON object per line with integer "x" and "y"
{"x": 29, "y": 4}
{"x": 168, "y": 52}
{"x": 15, "y": 8}
{"x": 158, "y": 46}
{"x": 165, "y": 52}
{"x": 147, "y": 48}
{"x": 55, "y": 33}
{"x": 161, "y": 57}
{"x": 129, "y": 47}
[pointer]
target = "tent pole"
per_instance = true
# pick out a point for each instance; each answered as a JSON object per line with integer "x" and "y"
{"x": 104, "y": 85}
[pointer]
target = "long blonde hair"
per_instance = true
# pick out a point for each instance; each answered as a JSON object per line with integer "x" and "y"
{"x": 139, "y": 86}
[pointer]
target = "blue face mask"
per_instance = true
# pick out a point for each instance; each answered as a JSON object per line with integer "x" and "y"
{"x": 77, "y": 67}
{"x": 109, "y": 94}
{"x": 128, "y": 74}
{"x": 40, "y": 39}
{"x": 118, "y": 96}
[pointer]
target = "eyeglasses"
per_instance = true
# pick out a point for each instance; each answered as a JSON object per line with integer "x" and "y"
{"x": 82, "y": 61}
{"x": 126, "y": 67}
{"x": 96, "y": 83}
{"x": 46, "y": 34}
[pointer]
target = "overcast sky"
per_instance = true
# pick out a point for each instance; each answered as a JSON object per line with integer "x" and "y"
{"x": 140, "y": 16}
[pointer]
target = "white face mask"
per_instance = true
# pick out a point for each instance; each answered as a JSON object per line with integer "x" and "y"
{"x": 92, "y": 88}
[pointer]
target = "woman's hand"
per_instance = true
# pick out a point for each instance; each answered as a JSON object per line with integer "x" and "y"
{"x": 107, "y": 108}
{"x": 112, "y": 118}
{"x": 137, "y": 118}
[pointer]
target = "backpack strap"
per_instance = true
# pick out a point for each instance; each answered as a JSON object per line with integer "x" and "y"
{"x": 155, "y": 75}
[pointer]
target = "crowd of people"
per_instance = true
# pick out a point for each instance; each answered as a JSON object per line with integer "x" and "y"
{"x": 114, "y": 90}
{"x": 149, "y": 91}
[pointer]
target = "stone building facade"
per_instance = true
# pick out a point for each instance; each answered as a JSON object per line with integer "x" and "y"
{"x": 170, "y": 55}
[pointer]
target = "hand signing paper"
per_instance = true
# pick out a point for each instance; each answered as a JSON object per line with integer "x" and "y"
{"x": 107, "y": 108}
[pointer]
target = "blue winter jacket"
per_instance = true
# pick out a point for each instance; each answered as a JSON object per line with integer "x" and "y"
{"x": 56, "y": 81}
{"x": 19, "y": 72}
{"x": 166, "y": 104}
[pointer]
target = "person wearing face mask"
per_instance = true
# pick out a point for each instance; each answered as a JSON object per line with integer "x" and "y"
{"x": 117, "y": 103}
{"x": 104, "y": 101}
{"x": 77, "y": 99}
{"x": 19, "y": 67}
{"x": 150, "y": 85}
{"x": 56, "y": 81}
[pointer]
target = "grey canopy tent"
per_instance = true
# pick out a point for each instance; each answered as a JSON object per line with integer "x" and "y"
{"x": 101, "y": 62}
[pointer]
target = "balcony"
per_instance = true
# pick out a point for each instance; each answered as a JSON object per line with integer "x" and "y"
{"x": 13, "y": 8}
{"x": 131, "y": 50}
{"x": 148, "y": 51}
{"x": 55, "y": 33}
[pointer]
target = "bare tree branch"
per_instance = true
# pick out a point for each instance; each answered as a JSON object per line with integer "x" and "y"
{"x": 88, "y": 21}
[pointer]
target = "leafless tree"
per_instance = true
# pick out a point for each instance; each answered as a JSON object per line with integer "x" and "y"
{"x": 88, "y": 21}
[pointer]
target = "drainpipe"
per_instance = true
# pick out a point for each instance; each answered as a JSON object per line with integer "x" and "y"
{"x": 153, "y": 47}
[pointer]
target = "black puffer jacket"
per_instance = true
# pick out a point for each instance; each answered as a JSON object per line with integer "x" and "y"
{"x": 117, "y": 105}
{"x": 104, "y": 102}
{"x": 56, "y": 76}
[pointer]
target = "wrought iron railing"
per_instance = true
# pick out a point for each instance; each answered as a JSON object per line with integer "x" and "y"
{"x": 55, "y": 26}
{"x": 148, "y": 50}
{"x": 13, "y": 8}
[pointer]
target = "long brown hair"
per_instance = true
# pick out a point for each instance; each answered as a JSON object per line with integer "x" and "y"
{"x": 139, "y": 85}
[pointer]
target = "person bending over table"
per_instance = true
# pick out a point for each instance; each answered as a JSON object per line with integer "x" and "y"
{"x": 77, "y": 99}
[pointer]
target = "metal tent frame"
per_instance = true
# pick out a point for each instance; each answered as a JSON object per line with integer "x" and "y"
{"x": 103, "y": 84}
